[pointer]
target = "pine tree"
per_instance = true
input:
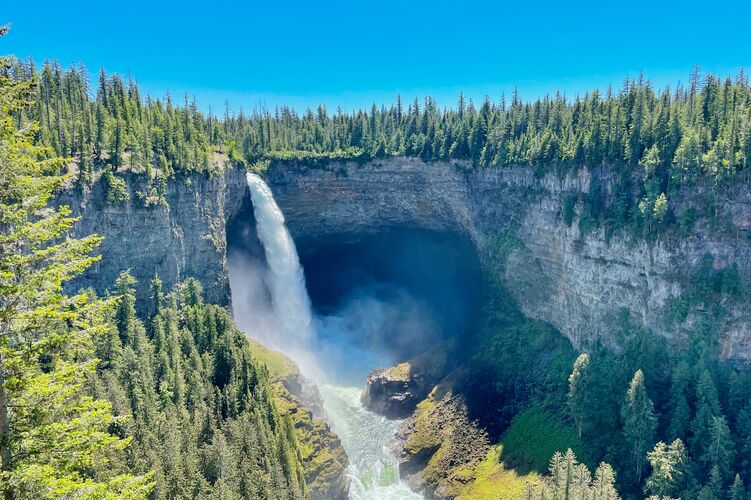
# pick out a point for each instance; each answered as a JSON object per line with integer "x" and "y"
{"x": 572, "y": 480}
{"x": 603, "y": 486}
{"x": 707, "y": 409}
{"x": 668, "y": 463}
{"x": 639, "y": 422}
{"x": 578, "y": 383}
{"x": 680, "y": 413}
{"x": 719, "y": 452}
{"x": 738, "y": 490}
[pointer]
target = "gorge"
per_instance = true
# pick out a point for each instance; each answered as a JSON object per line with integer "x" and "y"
{"x": 577, "y": 282}
{"x": 352, "y": 260}
{"x": 360, "y": 226}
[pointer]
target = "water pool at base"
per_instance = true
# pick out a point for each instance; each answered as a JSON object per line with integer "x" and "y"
{"x": 277, "y": 311}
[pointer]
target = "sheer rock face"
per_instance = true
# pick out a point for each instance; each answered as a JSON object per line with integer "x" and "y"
{"x": 186, "y": 238}
{"x": 579, "y": 283}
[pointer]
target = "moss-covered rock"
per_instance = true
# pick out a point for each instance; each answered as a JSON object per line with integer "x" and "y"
{"x": 440, "y": 441}
{"x": 323, "y": 457}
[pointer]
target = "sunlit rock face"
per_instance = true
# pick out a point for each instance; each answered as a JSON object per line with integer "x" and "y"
{"x": 396, "y": 391}
{"x": 185, "y": 238}
{"x": 580, "y": 284}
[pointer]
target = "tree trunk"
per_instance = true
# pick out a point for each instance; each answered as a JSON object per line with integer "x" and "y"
{"x": 5, "y": 455}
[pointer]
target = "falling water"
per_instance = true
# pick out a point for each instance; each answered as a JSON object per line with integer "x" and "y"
{"x": 287, "y": 282}
{"x": 372, "y": 470}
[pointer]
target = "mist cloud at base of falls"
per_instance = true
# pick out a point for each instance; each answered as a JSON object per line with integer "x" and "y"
{"x": 372, "y": 326}
{"x": 347, "y": 346}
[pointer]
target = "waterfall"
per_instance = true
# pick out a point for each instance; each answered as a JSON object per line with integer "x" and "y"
{"x": 372, "y": 470}
{"x": 289, "y": 297}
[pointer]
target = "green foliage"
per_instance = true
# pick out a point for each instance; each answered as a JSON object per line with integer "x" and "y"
{"x": 639, "y": 421}
{"x": 200, "y": 408}
{"x": 569, "y": 202}
{"x": 578, "y": 383}
{"x": 676, "y": 311}
{"x": 498, "y": 246}
{"x": 519, "y": 360}
{"x": 117, "y": 190}
{"x": 668, "y": 464}
{"x": 661, "y": 133}
{"x": 738, "y": 490}
{"x": 55, "y": 440}
{"x": 572, "y": 480}
{"x": 260, "y": 166}
{"x": 686, "y": 221}
{"x": 533, "y": 437}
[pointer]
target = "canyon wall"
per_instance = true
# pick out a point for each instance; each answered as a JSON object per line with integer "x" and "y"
{"x": 184, "y": 238}
{"x": 579, "y": 283}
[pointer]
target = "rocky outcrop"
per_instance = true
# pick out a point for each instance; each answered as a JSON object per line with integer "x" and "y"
{"x": 440, "y": 442}
{"x": 324, "y": 460}
{"x": 395, "y": 392}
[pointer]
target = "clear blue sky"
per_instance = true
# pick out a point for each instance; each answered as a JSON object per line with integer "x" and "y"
{"x": 352, "y": 53}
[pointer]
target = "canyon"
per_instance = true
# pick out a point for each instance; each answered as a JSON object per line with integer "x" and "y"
{"x": 508, "y": 222}
{"x": 580, "y": 283}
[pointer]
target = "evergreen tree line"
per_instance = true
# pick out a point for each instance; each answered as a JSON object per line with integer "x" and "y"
{"x": 95, "y": 403}
{"x": 199, "y": 407}
{"x": 701, "y": 129}
{"x": 569, "y": 479}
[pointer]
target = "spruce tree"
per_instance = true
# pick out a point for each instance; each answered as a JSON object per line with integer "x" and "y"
{"x": 668, "y": 467}
{"x": 738, "y": 490}
{"x": 578, "y": 384}
{"x": 639, "y": 422}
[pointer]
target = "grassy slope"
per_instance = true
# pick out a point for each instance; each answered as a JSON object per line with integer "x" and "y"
{"x": 520, "y": 458}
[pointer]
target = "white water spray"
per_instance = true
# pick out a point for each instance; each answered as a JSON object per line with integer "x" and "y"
{"x": 287, "y": 281}
{"x": 373, "y": 471}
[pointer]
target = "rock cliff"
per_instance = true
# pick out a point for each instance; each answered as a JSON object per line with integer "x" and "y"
{"x": 184, "y": 238}
{"x": 579, "y": 283}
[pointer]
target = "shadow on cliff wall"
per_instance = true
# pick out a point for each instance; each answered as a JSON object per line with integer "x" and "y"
{"x": 378, "y": 299}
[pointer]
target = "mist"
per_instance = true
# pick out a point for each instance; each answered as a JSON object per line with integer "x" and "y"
{"x": 374, "y": 325}
{"x": 377, "y": 300}
{"x": 341, "y": 307}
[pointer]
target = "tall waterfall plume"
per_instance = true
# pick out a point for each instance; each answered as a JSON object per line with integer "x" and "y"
{"x": 286, "y": 279}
